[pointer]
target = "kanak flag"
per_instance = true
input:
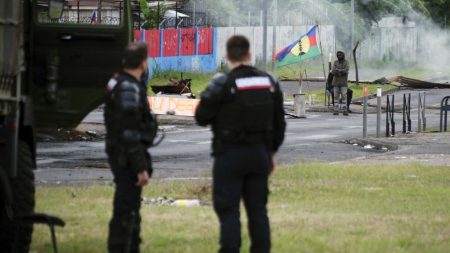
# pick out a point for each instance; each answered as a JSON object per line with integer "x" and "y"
{"x": 305, "y": 47}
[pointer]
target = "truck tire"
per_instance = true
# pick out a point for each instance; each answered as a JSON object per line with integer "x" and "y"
{"x": 23, "y": 203}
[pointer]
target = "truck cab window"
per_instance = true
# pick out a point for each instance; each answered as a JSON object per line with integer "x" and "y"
{"x": 82, "y": 12}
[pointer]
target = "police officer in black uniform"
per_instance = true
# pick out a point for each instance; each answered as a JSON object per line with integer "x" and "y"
{"x": 245, "y": 110}
{"x": 130, "y": 130}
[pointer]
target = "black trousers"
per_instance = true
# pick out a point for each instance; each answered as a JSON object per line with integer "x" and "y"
{"x": 349, "y": 95}
{"x": 242, "y": 172}
{"x": 124, "y": 227}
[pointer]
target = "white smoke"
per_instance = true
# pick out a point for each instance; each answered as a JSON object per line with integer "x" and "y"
{"x": 417, "y": 42}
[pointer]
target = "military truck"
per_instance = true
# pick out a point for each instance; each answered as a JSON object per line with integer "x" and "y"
{"x": 55, "y": 58}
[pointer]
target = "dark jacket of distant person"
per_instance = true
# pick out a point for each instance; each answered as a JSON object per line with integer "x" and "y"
{"x": 340, "y": 71}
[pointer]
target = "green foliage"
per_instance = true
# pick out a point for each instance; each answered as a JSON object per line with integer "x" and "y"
{"x": 439, "y": 10}
{"x": 152, "y": 17}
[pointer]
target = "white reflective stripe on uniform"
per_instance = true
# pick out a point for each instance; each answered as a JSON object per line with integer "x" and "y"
{"x": 111, "y": 84}
{"x": 253, "y": 83}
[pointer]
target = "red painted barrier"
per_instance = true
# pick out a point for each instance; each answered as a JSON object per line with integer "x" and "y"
{"x": 188, "y": 38}
{"x": 205, "y": 40}
{"x": 137, "y": 35}
{"x": 170, "y": 42}
{"x": 152, "y": 37}
{"x": 188, "y": 41}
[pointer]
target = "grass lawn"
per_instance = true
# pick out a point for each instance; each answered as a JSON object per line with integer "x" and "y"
{"x": 313, "y": 67}
{"x": 313, "y": 208}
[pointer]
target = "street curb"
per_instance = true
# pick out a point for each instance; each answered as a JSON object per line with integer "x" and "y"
{"x": 374, "y": 95}
{"x": 175, "y": 120}
{"x": 376, "y": 143}
{"x": 331, "y": 110}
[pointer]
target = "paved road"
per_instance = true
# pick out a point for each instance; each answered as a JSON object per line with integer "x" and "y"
{"x": 185, "y": 152}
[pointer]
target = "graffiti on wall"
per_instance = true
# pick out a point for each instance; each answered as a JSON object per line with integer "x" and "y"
{"x": 187, "y": 49}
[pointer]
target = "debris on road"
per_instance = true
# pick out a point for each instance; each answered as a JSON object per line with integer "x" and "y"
{"x": 61, "y": 134}
{"x": 404, "y": 81}
{"x": 92, "y": 133}
{"x": 371, "y": 144}
{"x": 186, "y": 202}
{"x": 167, "y": 201}
{"x": 174, "y": 86}
{"x": 161, "y": 201}
{"x": 418, "y": 84}
{"x": 368, "y": 146}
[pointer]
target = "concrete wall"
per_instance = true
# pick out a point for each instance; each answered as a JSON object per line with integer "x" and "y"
{"x": 210, "y": 63}
{"x": 191, "y": 63}
{"x": 393, "y": 40}
{"x": 285, "y": 36}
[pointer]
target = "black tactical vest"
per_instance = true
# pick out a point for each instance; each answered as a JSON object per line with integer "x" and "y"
{"x": 246, "y": 115}
{"x": 115, "y": 125}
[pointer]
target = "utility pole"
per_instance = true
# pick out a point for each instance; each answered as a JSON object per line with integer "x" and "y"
{"x": 353, "y": 23}
{"x": 194, "y": 11}
{"x": 99, "y": 12}
{"x": 274, "y": 34}
{"x": 264, "y": 46}
{"x": 445, "y": 24}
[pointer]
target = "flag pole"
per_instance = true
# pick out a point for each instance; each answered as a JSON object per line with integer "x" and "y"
{"x": 323, "y": 65}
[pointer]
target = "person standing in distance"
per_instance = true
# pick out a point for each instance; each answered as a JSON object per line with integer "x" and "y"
{"x": 340, "y": 79}
{"x": 130, "y": 129}
{"x": 245, "y": 111}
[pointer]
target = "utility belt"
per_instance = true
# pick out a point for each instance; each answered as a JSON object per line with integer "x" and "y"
{"x": 225, "y": 140}
{"x": 241, "y": 137}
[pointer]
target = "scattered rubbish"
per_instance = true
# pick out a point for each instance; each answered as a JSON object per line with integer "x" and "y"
{"x": 167, "y": 128}
{"x": 415, "y": 83}
{"x": 92, "y": 133}
{"x": 368, "y": 146}
{"x": 382, "y": 80}
{"x": 161, "y": 201}
{"x": 174, "y": 86}
{"x": 405, "y": 81}
{"x": 372, "y": 144}
{"x": 411, "y": 176}
{"x": 186, "y": 202}
{"x": 166, "y": 201}
{"x": 372, "y": 189}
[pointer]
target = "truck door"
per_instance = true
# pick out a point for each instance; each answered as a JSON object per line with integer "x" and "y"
{"x": 73, "y": 55}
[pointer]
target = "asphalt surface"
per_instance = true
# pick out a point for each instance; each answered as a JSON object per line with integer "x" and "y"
{"x": 185, "y": 151}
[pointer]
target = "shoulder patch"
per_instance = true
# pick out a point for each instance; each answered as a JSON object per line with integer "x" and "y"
{"x": 111, "y": 84}
{"x": 253, "y": 83}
